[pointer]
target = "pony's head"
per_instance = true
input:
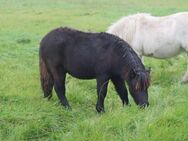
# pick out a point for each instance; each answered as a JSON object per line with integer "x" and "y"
{"x": 133, "y": 71}
{"x": 139, "y": 81}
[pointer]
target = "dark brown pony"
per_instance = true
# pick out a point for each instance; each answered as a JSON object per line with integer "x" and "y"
{"x": 99, "y": 56}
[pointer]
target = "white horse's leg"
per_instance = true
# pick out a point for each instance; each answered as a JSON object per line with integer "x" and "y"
{"x": 185, "y": 77}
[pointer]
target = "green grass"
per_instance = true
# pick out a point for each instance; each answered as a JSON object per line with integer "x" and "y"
{"x": 25, "y": 115}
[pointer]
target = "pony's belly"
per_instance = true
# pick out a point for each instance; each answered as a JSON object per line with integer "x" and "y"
{"x": 81, "y": 73}
{"x": 79, "y": 76}
{"x": 166, "y": 54}
{"x": 165, "y": 51}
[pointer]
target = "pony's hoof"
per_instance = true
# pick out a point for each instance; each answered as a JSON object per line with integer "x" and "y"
{"x": 48, "y": 96}
{"x": 127, "y": 105}
{"x": 182, "y": 82}
{"x": 184, "y": 79}
{"x": 68, "y": 108}
{"x": 100, "y": 109}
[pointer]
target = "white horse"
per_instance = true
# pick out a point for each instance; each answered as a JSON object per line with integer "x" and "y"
{"x": 158, "y": 37}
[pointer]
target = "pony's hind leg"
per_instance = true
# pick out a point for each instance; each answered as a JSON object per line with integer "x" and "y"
{"x": 121, "y": 89}
{"x": 102, "y": 84}
{"x": 59, "y": 76}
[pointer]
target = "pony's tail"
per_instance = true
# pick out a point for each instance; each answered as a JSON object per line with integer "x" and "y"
{"x": 46, "y": 79}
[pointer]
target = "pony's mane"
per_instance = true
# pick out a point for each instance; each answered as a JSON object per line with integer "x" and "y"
{"x": 142, "y": 75}
{"x": 132, "y": 60}
{"x": 126, "y": 53}
{"x": 142, "y": 81}
{"x": 125, "y": 27}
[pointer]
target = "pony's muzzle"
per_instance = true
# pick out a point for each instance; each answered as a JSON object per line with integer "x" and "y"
{"x": 144, "y": 105}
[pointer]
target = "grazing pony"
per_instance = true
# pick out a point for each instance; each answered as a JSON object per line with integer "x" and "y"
{"x": 99, "y": 56}
{"x": 158, "y": 37}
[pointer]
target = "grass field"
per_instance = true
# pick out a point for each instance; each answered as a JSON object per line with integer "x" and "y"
{"x": 25, "y": 115}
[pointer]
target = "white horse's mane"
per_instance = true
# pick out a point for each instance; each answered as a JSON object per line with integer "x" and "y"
{"x": 125, "y": 28}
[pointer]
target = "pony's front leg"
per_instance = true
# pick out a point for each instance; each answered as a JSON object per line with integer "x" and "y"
{"x": 102, "y": 84}
{"x": 121, "y": 89}
{"x": 185, "y": 77}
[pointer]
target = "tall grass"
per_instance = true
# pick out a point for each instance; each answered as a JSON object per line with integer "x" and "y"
{"x": 25, "y": 115}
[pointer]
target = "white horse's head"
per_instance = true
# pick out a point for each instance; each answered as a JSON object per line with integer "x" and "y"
{"x": 125, "y": 28}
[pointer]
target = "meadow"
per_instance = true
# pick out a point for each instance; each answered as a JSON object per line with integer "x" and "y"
{"x": 25, "y": 115}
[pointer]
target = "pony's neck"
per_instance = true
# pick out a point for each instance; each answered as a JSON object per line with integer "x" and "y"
{"x": 132, "y": 61}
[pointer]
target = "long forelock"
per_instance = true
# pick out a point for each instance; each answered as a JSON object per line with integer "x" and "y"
{"x": 142, "y": 81}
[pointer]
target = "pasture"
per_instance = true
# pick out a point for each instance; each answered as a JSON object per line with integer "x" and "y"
{"x": 25, "y": 115}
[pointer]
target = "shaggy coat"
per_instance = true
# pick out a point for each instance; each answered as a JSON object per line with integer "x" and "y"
{"x": 99, "y": 56}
